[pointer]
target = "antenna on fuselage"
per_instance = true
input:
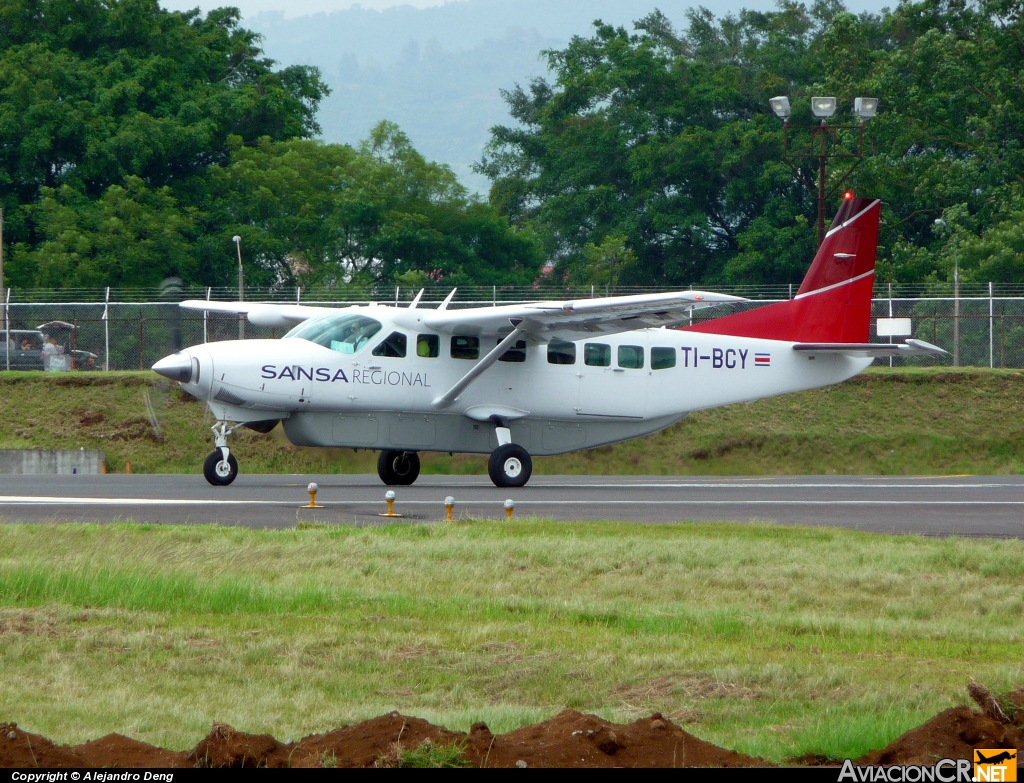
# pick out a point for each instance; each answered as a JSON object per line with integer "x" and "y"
{"x": 416, "y": 299}
{"x": 447, "y": 300}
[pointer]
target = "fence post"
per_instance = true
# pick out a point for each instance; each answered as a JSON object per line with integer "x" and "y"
{"x": 142, "y": 361}
{"x": 956, "y": 316}
{"x": 206, "y": 315}
{"x": 7, "y": 326}
{"x": 106, "y": 331}
{"x": 991, "y": 325}
{"x": 890, "y": 315}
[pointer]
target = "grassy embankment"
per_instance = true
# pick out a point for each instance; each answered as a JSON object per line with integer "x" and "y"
{"x": 885, "y": 421}
{"x": 774, "y": 641}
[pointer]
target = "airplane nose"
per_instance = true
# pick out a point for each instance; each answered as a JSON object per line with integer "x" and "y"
{"x": 177, "y": 367}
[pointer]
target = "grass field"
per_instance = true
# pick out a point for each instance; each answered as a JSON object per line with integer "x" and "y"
{"x": 883, "y": 422}
{"x": 775, "y": 641}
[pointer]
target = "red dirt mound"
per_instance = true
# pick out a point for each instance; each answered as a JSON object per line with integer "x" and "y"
{"x": 569, "y": 739}
{"x": 20, "y": 749}
{"x": 129, "y": 752}
{"x": 374, "y": 742}
{"x": 952, "y": 734}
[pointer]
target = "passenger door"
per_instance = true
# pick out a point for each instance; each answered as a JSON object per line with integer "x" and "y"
{"x": 613, "y": 380}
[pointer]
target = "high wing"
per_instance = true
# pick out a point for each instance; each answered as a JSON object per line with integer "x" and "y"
{"x": 271, "y": 315}
{"x": 871, "y": 350}
{"x": 603, "y": 316}
{"x": 551, "y": 319}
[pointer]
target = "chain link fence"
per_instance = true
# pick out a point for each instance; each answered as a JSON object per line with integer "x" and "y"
{"x": 981, "y": 331}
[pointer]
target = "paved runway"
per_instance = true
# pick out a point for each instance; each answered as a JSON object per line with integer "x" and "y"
{"x": 942, "y": 505}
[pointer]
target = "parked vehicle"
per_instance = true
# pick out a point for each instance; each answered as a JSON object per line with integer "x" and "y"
{"x": 26, "y": 351}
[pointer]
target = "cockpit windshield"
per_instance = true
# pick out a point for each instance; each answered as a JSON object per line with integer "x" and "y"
{"x": 341, "y": 333}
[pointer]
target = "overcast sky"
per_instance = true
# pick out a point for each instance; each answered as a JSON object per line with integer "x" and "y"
{"x": 294, "y": 7}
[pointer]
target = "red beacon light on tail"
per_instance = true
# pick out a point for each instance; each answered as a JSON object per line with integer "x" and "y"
{"x": 848, "y": 195}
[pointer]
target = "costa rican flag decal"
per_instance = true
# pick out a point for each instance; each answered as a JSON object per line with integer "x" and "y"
{"x": 762, "y": 360}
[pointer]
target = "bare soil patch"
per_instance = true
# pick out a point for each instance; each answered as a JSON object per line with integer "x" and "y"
{"x": 569, "y": 739}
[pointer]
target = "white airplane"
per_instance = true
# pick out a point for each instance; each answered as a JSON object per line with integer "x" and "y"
{"x": 539, "y": 378}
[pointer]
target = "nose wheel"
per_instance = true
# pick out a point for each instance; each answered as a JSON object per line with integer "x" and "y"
{"x": 219, "y": 471}
{"x": 221, "y": 467}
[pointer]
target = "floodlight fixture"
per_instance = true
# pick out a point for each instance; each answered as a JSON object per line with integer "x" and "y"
{"x": 865, "y": 108}
{"x": 780, "y": 105}
{"x": 823, "y": 107}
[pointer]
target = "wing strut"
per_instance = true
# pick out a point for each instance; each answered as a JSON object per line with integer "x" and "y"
{"x": 448, "y": 398}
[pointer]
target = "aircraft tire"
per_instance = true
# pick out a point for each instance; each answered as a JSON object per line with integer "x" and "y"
{"x": 398, "y": 468}
{"x": 510, "y": 466}
{"x": 216, "y": 472}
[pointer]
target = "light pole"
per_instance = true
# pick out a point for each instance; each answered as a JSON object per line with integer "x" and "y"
{"x": 823, "y": 144}
{"x": 241, "y": 285}
{"x": 956, "y": 298}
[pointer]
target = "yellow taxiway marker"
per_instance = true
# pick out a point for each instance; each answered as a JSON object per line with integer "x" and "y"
{"x": 312, "y": 489}
{"x": 389, "y": 496}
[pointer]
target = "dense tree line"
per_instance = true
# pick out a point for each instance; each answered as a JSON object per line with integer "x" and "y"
{"x": 652, "y": 155}
{"x": 135, "y": 142}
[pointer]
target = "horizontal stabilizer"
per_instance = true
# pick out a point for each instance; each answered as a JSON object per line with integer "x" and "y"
{"x": 872, "y": 350}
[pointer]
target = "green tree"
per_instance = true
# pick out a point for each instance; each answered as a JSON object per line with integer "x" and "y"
{"x": 130, "y": 236}
{"x": 661, "y": 138}
{"x": 98, "y": 95}
{"x": 328, "y": 214}
{"x": 665, "y": 138}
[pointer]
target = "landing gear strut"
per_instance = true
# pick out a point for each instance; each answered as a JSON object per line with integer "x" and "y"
{"x": 510, "y": 464}
{"x": 221, "y": 467}
{"x": 398, "y": 468}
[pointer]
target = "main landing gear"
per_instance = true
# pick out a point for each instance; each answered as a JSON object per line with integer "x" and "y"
{"x": 510, "y": 464}
{"x": 398, "y": 468}
{"x": 221, "y": 467}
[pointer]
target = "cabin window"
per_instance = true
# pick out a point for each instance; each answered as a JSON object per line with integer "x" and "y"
{"x": 465, "y": 347}
{"x": 663, "y": 358}
{"x": 393, "y": 346}
{"x": 560, "y": 352}
{"x": 517, "y": 353}
{"x": 631, "y": 357}
{"x": 342, "y": 333}
{"x": 597, "y": 355}
{"x": 428, "y": 346}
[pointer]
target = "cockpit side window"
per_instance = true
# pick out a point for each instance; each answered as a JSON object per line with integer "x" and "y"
{"x": 393, "y": 346}
{"x": 342, "y": 333}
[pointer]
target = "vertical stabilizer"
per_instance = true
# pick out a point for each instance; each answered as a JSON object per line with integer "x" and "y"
{"x": 833, "y": 304}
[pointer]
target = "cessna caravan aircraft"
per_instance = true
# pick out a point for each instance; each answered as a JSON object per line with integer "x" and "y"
{"x": 542, "y": 378}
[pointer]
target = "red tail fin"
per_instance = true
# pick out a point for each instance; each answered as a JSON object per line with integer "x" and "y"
{"x": 833, "y": 304}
